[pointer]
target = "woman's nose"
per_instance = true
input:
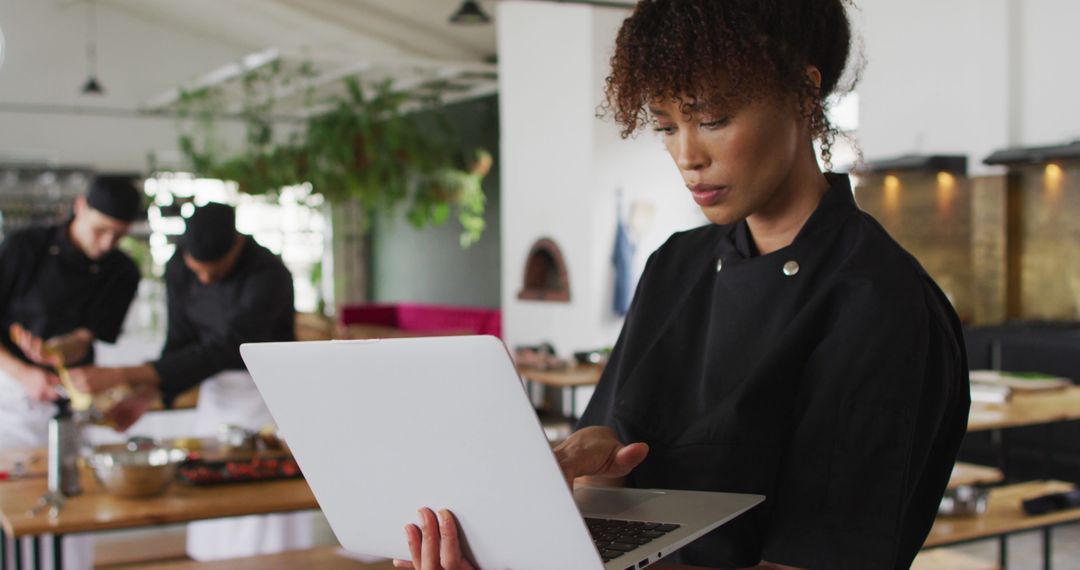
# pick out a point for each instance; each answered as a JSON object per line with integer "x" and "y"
{"x": 691, "y": 154}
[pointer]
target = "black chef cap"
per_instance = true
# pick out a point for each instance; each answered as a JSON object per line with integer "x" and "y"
{"x": 210, "y": 233}
{"x": 115, "y": 196}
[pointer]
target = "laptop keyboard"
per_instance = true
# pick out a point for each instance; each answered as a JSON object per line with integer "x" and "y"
{"x": 613, "y": 538}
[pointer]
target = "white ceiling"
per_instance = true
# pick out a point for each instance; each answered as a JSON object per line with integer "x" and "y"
{"x": 410, "y": 42}
{"x": 366, "y": 28}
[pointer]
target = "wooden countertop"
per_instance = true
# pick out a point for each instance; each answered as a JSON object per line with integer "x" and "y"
{"x": 1027, "y": 408}
{"x": 95, "y": 510}
{"x": 1004, "y": 515}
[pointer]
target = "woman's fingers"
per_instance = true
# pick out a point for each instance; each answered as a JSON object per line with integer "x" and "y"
{"x": 431, "y": 546}
{"x": 434, "y": 544}
{"x": 597, "y": 452}
{"x": 414, "y": 538}
{"x": 451, "y": 548}
{"x": 627, "y": 458}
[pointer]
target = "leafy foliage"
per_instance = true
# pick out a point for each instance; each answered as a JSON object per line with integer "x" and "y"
{"x": 363, "y": 147}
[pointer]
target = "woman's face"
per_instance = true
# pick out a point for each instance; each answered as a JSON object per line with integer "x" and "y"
{"x": 737, "y": 162}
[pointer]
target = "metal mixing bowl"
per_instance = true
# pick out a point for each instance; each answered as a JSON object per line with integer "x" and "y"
{"x": 135, "y": 470}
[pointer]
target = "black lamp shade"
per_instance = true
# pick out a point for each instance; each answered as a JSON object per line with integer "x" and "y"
{"x": 92, "y": 87}
{"x": 1034, "y": 155}
{"x": 470, "y": 13}
{"x": 955, "y": 164}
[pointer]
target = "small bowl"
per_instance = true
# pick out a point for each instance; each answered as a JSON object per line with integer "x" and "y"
{"x": 964, "y": 501}
{"x": 134, "y": 472}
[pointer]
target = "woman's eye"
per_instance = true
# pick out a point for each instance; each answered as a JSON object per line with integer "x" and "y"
{"x": 667, "y": 130}
{"x": 716, "y": 123}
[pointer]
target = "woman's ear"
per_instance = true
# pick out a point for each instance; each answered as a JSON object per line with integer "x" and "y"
{"x": 814, "y": 75}
{"x": 808, "y": 106}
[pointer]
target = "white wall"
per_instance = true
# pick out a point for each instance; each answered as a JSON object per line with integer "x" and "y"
{"x": 45, "y": 64}
{"x": 968, "y": 76}
{"x": 561, "y": 168}
{"x": 1050, "y": 108}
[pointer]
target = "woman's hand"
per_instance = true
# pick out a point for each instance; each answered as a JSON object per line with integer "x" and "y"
{"x": 596, "y": 452}
{"x": 434, "y": 545}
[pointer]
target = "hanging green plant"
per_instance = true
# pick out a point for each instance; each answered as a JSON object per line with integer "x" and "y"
{"x": 362, "y": 147}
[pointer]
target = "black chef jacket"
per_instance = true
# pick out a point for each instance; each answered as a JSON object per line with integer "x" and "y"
{"x": 208, "y": 323}
{"x": 837, "y": 388}
{"x": 50, "y": 287}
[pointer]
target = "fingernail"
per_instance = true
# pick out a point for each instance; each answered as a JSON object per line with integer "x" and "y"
{"x": 443, "y": 516}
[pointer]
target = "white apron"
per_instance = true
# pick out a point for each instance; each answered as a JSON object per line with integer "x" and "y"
{"x": 231, "y": 398}
{"x": 24, "y": 424}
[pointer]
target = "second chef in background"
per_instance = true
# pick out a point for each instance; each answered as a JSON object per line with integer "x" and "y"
{"x": 223, "y": 289}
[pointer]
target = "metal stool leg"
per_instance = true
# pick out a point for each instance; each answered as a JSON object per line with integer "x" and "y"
{"x": 58, "y": 551}
{"x": 35, "y": 547}
{"x": 1003, "y": 551}
{"x": 3, "y": 550}
{"x": 18, "y": 553}
{"x": 1048, "y": 548}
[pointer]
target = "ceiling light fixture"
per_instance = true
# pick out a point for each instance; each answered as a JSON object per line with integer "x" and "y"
{"x": 91, "y": 86}
{"x": 470, "y": 13}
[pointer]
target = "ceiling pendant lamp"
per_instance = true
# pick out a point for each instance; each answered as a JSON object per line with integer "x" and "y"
{"x": 470, "y": 13}
{"x": 91, "y": 86}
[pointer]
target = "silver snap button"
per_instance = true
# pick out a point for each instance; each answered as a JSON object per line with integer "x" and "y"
{"x": 719, "y": 264}
{"x": 791, "y": 268}
{"x": 54, "y": 250}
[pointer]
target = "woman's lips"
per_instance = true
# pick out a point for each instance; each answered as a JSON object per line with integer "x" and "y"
{"x": 707, "y": 194}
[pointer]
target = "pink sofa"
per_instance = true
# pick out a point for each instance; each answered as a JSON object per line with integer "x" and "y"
{"x": 415, "y": 319}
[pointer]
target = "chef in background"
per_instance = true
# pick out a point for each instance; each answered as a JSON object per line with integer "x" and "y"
{"x": 223, "y": 289}
{"x": 62, "y": 287}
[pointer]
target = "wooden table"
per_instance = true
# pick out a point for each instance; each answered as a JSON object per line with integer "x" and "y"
{"x": 1026, "y": 409}
{"x": 330, "y": 558}
{"x": 1005, "y": 517}
{"x": 567, "y": 380}
{"x": 323, "y": 557}
{"x": 95, "y": 510}
{"x": 971, "y": 474}
{"x": 1043, "y": 408}
{"x": 580, "y": 375}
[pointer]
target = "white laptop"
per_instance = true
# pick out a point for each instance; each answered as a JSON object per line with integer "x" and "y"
{"x": 381, "y": 428}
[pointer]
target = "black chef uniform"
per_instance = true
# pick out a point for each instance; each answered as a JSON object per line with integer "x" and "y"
{"x": 51, "y": 288}
{"x": 208, "y": 323}
{"x": 829, "y": 375}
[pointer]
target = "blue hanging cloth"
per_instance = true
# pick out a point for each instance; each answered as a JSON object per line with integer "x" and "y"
{"x": 622, "y": 257}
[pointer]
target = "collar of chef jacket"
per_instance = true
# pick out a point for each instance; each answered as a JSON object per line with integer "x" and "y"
{"x": 714, "y": 350}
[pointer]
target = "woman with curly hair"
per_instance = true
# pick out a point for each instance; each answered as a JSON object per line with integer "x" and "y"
{"x": 790, "y": 348}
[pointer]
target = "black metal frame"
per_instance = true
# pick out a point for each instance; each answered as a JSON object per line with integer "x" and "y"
{"x": 18, "y": 559}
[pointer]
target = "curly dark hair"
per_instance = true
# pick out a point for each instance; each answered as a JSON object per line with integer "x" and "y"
{"x": 718, "y": 54}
